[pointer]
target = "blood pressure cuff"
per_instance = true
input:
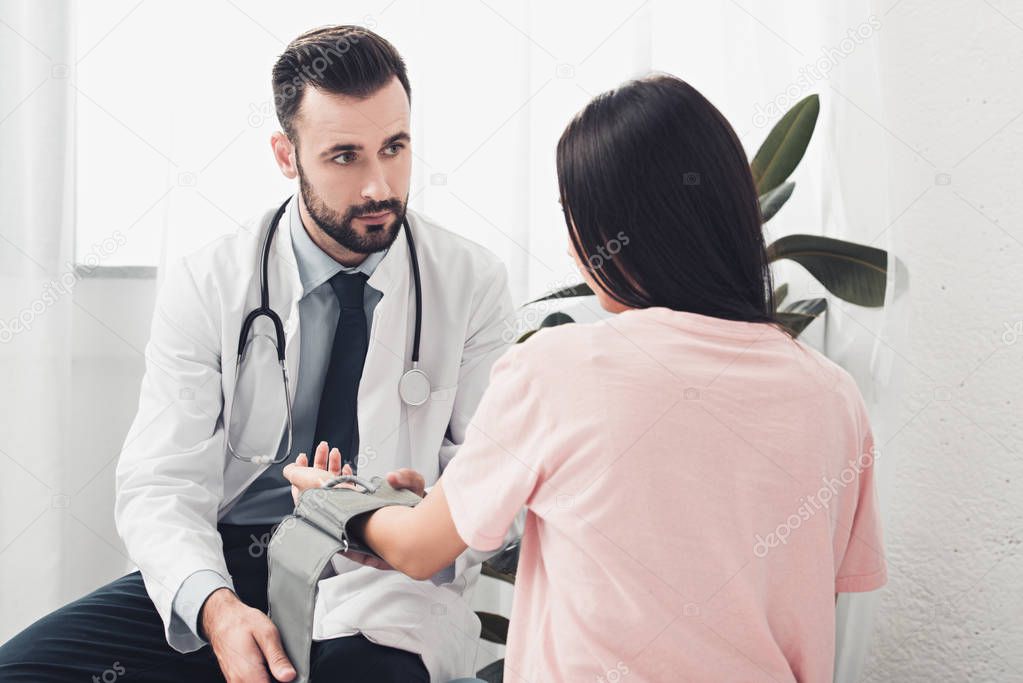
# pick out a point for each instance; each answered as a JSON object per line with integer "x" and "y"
{"x": 302, "y": 545}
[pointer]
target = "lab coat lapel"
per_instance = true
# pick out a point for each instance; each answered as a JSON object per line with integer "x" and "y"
{"x": 380, "y": 410}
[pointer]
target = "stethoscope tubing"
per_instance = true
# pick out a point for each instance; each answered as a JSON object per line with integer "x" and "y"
{"x": 265, "y": 309}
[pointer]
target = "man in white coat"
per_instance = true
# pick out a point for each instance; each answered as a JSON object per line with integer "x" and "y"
{"x": 196, "y": 513}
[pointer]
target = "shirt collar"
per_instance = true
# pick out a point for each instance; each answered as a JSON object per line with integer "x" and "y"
{"x": 316, "y": 266}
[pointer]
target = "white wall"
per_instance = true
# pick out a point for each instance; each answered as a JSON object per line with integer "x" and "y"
{"x": 951, "y": 75}
{"x": 111, "y": 328}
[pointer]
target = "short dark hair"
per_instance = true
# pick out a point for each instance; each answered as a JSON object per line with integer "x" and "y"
{"x": 654, "y": 165}
{"x": 344, "y": 60}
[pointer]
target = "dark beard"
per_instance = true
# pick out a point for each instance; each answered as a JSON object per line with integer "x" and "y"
{"x": 339, "y": 227}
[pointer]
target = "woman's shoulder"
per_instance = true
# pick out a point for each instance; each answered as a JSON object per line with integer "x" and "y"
{"x": 565, "y": 343}
{"x": 575, "y": 347}
{"x": 555, "y": 357}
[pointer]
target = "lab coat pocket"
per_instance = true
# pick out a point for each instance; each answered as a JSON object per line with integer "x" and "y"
{"x": 445, "y": 394}
{"x": 428, "y": 425}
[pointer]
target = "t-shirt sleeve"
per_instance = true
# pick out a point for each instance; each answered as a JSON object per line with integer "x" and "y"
{"x": 498, "y": 465}
{"x": 861, "y": 563}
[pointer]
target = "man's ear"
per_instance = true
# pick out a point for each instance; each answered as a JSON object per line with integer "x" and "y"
{"x": 284, "y": 154}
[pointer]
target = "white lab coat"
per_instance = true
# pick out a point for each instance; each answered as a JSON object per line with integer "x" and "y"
{"x": 175, "y": 478}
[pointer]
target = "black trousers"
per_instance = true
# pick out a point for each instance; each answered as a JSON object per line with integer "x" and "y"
{"x": 115, "y": 634}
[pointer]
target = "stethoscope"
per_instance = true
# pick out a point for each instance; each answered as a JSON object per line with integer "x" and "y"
{"x": 413, "y": 387}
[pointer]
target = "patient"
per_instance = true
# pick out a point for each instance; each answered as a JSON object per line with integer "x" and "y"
{"x": 698, "y": 484}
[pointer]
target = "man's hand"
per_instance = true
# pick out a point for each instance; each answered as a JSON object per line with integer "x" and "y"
{"x": 324, "y": 467}
{"x": 244, "y": 640}
{"x": 407, "y": 479}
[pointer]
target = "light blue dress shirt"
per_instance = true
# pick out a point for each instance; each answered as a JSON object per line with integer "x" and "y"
{"x": 268, "y": 499}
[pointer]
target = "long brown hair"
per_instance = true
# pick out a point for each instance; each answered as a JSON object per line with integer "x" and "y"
{"x": 654, "y": 164}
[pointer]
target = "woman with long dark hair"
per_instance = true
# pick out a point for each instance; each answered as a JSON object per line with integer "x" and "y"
{"x": 698, "y": 485}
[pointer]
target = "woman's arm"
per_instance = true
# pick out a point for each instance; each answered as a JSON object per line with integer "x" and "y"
{"x": 417, "y": 541}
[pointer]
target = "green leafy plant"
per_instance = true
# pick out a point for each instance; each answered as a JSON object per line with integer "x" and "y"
{"x": 856, "y": 273}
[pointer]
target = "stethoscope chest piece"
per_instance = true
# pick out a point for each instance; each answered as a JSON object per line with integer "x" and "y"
{"x": 414, "y": 387}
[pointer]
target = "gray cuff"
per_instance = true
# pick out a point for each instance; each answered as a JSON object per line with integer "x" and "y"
{"x": 193, "y": 593}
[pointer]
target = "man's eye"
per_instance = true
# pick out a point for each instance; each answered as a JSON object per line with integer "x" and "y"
{"x": 345, "y": 158}
{"x": 393, "y": 150}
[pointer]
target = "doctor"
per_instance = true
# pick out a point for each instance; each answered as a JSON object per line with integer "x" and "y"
{"x": 199, "y": 481}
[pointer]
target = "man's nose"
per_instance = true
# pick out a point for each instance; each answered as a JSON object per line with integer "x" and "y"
{"x": 376, "y": 188}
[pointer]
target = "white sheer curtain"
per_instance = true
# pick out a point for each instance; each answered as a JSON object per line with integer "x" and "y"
{"x": 36, "y": 280}
{"x": 173, "y": 146}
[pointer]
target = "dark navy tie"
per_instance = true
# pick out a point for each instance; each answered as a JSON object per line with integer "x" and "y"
{"x": 336, "y": 421}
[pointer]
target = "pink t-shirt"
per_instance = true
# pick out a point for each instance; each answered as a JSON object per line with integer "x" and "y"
{"x": 697, "y": 491}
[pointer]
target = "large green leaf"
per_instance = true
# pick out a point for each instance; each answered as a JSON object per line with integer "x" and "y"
{"x": 502, "y": 566}
{"x": 799, "y": 314}
{"x": 493, "y": 672}
{"x": 581, "y": 289}
{"x": 553, "y": 320}
{"x": 556, "y": 318}
{"x": 780, "y": 293}
{"x": 495, "y": 627}
{"x": 785, "y": 145}
{"x": 775, "y": 199}
{"x": 853, "y": 272}
{"x": 528, "y": 333}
